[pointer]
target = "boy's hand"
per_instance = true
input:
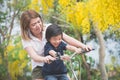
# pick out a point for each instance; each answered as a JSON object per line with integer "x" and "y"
{"x": 65, "y": 57}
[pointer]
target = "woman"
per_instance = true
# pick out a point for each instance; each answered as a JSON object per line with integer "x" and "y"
{"x": 33, "y": 40}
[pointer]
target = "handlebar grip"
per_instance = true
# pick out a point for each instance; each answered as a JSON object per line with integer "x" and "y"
{"x": 84, "y": 51}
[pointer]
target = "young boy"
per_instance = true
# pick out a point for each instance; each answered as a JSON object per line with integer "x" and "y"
{"x": 56, "y": 70}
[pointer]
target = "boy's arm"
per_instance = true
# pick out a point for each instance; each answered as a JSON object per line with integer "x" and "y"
{"x": 48, "y": 50}
{"x": 73, "y": 49}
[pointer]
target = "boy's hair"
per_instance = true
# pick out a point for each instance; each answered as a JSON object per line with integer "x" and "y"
{"x": 53, "y": 30}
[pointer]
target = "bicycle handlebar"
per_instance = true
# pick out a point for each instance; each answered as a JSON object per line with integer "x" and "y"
{"x": 58, "y": 56}
{"x": 82, "y": 52}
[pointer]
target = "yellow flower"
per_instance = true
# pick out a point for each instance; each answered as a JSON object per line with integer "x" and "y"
{"x": 0, "y": 59}
{"x": 35, "y": 5}
{"x": 10, "y": 47}
{"x": 63, "y": 3}
{"x": 46, "y": 5}
{"x": 22, "y": 54}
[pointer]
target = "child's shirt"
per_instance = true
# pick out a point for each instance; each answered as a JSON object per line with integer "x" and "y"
{"x": 57, "y": 66}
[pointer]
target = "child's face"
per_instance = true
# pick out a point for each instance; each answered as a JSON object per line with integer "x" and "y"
{"x": 56, "y": 40}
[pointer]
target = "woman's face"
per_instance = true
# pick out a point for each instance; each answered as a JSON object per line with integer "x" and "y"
{"x": 36, "y": 26}
{"x": 56, "y": 40}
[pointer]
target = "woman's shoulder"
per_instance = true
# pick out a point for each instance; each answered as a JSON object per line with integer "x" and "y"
{"x": 26, "y": 43}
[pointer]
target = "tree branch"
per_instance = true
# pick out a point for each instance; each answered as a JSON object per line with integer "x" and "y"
{"x": 2, "y": 32}
{"x": 61, "y": 20}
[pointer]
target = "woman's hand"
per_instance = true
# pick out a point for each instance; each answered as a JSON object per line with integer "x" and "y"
{"x": 87, "y": 48}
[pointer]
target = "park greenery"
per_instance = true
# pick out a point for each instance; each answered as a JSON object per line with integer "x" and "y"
{"x": 84, "y": 20}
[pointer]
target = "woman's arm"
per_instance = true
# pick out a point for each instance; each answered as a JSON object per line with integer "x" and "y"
{"x": 76, "y": 43}
{"x": 37, "y": 57}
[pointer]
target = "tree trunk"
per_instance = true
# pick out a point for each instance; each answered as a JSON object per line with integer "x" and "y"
{"x": 87, "y": 67}
{"x": 101, "y": 53}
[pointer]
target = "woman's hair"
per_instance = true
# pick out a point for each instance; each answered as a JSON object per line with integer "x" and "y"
{"x": 53, "y": 30}
{"x": 25, "y": 22}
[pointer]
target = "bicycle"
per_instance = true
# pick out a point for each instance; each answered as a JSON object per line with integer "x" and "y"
{"x": 58, "y": 56}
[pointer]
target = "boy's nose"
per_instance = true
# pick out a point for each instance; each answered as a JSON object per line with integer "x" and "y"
{"x": 58, "y": 41}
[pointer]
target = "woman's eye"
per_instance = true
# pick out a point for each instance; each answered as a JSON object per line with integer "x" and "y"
{"x": 39, "y": 21}
{"x": 33, "y": 25}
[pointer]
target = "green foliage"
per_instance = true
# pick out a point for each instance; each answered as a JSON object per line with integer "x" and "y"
{"x": 77, "y": 62}
{"x": 13, "y": 59}
{"x": 3, "y": 72}
{"x": 79, "y": 68}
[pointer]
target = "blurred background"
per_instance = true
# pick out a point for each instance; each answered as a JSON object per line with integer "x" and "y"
{"x": 93, "y": 22}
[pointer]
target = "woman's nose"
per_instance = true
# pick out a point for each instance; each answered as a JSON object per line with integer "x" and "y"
{"x": 37, "y": 24}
